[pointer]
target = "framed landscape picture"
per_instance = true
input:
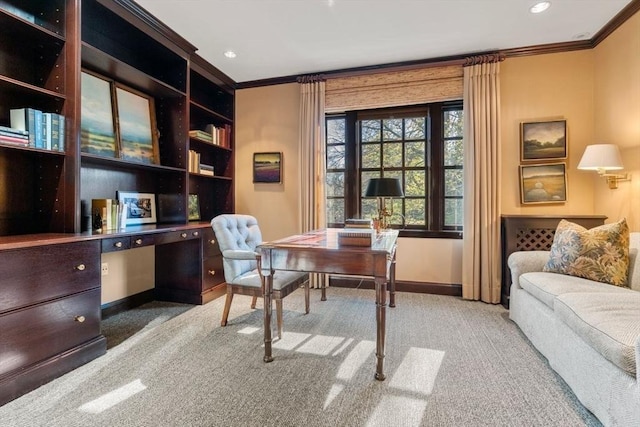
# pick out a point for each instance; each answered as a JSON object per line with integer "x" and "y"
{"x": 543, "y": 183}
{"x": 194, "y": 208}
{"x": 140, "y": 207}
{"x": 543, "y": 140}
{"x": 97, "y": 126}
{"x": 267, "y": 167}
{"x": 136, "y": 126}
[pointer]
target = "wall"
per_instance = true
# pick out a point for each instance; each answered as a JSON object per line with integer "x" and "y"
{"x": 130, "y": 272}
{"x": 543, "y": 87}
{"x": 617, "y": 118}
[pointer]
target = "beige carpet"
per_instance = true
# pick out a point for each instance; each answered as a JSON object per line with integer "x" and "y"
{"x": 449, "y": 362}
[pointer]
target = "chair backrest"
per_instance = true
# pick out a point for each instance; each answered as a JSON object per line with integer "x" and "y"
{"x": 236, "y": 232}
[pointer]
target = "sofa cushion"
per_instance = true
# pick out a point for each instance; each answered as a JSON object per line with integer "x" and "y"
{"x": 547, "y": 286}
{"x": 608, "y": 322}
{"x": 600, "y": 253}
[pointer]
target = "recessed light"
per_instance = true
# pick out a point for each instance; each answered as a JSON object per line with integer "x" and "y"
{"x": 230, "y": 54}
{"x": 539, "y": 7}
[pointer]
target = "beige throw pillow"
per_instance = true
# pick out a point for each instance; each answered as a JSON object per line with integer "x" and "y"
{"x": 600, "y": 253}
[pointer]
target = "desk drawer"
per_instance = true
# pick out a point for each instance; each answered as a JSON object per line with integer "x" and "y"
{"x": 143, "y": 240}
{"x": 115, "y": 244}
{"x": 42, "y": 331}
{"x": 177, "y": 236}
{"x": 32, "y": 275}
{"x": 210, "y": 245}
{"x": 212, "y": 272}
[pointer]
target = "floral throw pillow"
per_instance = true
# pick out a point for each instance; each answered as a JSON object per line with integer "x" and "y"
{"x": 600, "y": 253}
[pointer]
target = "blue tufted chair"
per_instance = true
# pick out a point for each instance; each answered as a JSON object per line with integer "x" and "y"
{"x": 238, "y": 236}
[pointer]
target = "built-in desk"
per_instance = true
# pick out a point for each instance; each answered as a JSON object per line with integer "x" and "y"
{"x": 50, "y": 307}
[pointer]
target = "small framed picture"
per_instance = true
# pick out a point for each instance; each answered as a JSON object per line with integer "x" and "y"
{"x": 194, "y": 208}
{"x": 140, "y": 208}
{"x": 136, "y": 125}
{"x": 267, "y": 167}
{"x": 543, "y": 183}
{"x": 543, "y": 140}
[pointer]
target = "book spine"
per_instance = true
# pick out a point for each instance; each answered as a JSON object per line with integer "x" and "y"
{"x": 14, "y": 135}
{"x": 54, "y": 133}
{"x": 37, "y": 129}
{"x": 61, "y": 132}
{"x": 14, "y": 140}
{"x": 13, "y": 131}
{"x": 46, "y": 130}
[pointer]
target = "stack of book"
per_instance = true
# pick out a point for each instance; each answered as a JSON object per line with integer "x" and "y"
{"x": 10, "y": 135}
{"x": 44, "y": 130}
{"x": 194, "y": 161}
{"x": 113, "y": 214}
{"x": 205, "y": 169}
{"x": 358, "y": 223}
{"x": 202, "y": 136}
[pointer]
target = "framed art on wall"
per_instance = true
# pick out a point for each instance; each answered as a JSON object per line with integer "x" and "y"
{"x": 545, "y": 140}
{"x": 140, "y": 207}
{"x": 136, "y": 125}
{"x": 543, "y": 183}
{"x": 97, "y": 125}
{"x": 194, "y": 208}
{"x": 267, "y": 167}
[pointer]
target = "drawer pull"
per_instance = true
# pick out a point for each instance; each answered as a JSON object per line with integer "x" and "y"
{"x": 212, "y": 272}
{"x": 212, "y": 241}
{"x": 80, "y": 267}
{"x": 196, "y": 234}
{"x": 183, "y": 235}
{"x": 80, "y": 319}
{"x": 118, "y": 244}
{"x": 138, "y": 241}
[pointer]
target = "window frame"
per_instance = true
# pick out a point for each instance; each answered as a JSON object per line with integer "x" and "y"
{"x": 434, "y": 165}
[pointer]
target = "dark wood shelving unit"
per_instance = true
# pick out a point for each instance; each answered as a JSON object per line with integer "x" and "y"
{"x": 45, "y": 235}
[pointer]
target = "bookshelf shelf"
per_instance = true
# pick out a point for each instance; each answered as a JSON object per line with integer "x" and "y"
{"x": 202, "y": 110}
{"x": 44, "y": 17}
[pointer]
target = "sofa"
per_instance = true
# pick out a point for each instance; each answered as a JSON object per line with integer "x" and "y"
{"x": 588, "y": 330}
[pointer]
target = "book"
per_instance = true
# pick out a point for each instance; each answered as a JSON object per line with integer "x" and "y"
{"x": 104, "y": 207}
{"x": 358, "y": 223}
{"x": 61, "y": 132}
{"x": 14, "y": 135}
{"x": 201, "y": 135}
{"x": 6, "y": 130}
{"x": 14, "y": 140}
{"x": 28, "y": 120}
{"x": 51, "y": 130}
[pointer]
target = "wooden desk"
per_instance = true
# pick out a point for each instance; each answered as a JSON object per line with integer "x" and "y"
{"x": 318, "y": 252}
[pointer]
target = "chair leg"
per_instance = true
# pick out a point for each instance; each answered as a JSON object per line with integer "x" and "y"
{"x": 306, "y": 297}
{"x": 323, "y": 286}
{"x": 279, "y": 316}
{"x": 227, "y": 307}
{"x": 253, "y": 302}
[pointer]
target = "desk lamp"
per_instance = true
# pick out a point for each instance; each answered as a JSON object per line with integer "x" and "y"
{"x": 383, "y": 188}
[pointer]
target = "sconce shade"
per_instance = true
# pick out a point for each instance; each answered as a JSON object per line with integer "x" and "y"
{"x": 384, "y": 187}
{"x": 601, "y": 157}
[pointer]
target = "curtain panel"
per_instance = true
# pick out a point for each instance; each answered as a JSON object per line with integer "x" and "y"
{"x": 481, "y": 268}
{"x": 394, "y": 88}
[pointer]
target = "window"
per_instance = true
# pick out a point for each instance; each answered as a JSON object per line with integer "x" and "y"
{"x": 422, "y": 146}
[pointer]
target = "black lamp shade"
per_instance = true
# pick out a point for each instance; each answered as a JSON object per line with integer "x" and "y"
{"x": 384, "y": 187}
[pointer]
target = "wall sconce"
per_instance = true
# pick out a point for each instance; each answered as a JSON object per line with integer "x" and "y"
{"x": 601, "y": 158}
{"x": 383, "y": 188}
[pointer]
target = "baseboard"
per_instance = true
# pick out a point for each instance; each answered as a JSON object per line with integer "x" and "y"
{"x": 401, "y": 286}
{"x": 112, "y": 308}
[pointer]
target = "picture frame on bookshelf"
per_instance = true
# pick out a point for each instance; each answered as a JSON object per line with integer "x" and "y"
{"x": 140, "y": 207}
{"x": 543, "y": 183}
{"x": 267, "y": 167}
{"x": 194, "y": 208}
{"x": 97, "y": 125}
{"x": 544, "y": 140}
{"x": 136, "y": 125}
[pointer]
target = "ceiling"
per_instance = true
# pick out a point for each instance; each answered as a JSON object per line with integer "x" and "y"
{"x": 278, "y": 38}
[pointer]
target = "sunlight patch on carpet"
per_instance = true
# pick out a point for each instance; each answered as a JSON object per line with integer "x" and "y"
{"x": 290, "y": 340}
{"x": 249, "y": 330}
{"x": 355, "y": 359}
{"x": 321, "y": 345}
{"x": 112, "y": 398}
{"x": 418, "y": 370}
{"x": 336, "y": 389}
{"x": 398, "y": 411}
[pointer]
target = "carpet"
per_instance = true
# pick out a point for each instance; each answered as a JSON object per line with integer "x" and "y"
{"x": 449, "y": 362}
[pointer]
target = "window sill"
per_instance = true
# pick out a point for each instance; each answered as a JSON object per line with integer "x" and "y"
{"x": 428, "y": 234}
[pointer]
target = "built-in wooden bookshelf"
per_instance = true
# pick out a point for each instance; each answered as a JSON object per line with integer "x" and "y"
{"x": 44, "y": 48}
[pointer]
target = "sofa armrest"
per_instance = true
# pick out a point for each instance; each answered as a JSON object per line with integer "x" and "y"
{"x": 524, "y": 262}
{"x": 240, "y": 254}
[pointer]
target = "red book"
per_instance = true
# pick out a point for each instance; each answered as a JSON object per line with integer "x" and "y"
{"x": 14, "y": 140}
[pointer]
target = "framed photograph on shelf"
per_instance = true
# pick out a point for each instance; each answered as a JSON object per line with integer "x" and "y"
{"x": 543, "y": 183}
{"x": 267, "y": 167}
{"x": 194, "y": 208}
{"x": 136, "y": 126}
{"x": 97, "y": 125}
{"x": 140, "y": 207}
{"x": 543, "y": 140}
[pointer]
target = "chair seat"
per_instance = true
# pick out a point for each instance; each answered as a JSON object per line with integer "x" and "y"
{"x": 281, "y": 279}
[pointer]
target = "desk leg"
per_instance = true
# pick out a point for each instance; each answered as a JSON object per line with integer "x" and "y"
{"x": 392, "y": 283}
{"x": 268, "y": 287}
{"x": 381, "y": 307}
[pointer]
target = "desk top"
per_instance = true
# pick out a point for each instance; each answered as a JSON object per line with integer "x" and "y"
{"x": 327, "y": 239}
